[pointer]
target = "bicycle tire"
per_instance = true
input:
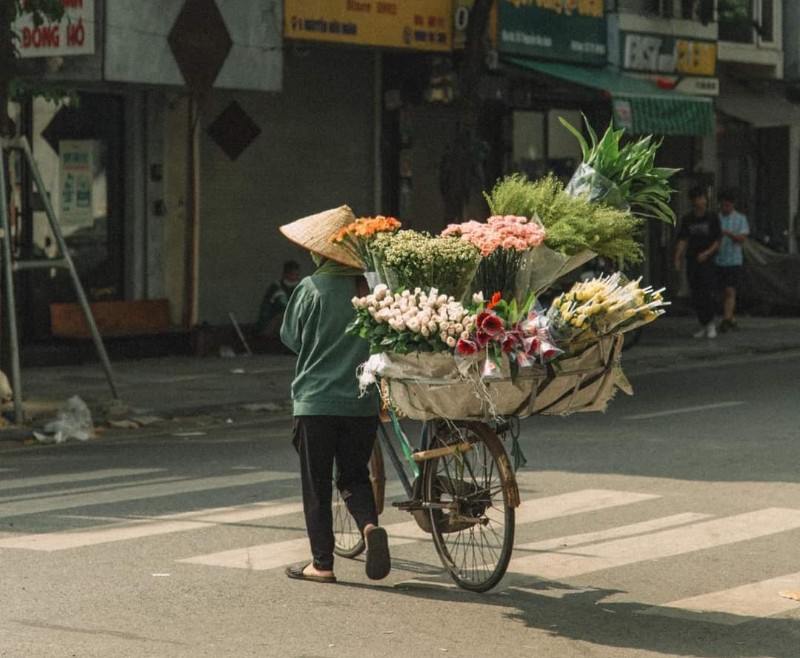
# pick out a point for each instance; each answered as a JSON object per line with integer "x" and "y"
{"x": 347, "y": 540}
{"x": 472, "y": 496}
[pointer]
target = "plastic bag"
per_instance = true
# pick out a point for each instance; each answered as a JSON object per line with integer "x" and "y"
{"x": 596, "y": 188}
{"x": 73, "y": 421}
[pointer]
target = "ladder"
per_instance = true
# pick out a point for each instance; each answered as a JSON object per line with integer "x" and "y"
{"x": 10, "y": 266}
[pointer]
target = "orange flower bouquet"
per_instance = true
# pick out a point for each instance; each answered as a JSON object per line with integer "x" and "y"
{"x": 357, "y": 237}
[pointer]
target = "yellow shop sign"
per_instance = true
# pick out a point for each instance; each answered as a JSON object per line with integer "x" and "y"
{"x": 414, "y": 24}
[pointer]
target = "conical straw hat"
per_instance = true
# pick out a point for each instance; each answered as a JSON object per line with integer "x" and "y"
{"x": 313, "y": 233}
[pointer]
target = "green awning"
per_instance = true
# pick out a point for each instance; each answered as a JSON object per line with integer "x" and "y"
{"x": 638, "y": 105}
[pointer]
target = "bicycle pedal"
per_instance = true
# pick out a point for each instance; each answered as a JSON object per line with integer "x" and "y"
{"x": 407, "y": 505}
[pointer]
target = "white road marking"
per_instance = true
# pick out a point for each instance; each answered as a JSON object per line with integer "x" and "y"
{"x": 575, "y": 502}
{"x": 271, "y": 556}
{"x": 160, "y": 525}
{"x": 668, "y": 543}
{"x": 61, "y": 501}
{"x": 278, "y": 554}
{"x": 686, "y": 410}
{"x": 47, "y": 480}
{"x": 641, "y": 528}
{"x": 736, "y": 605}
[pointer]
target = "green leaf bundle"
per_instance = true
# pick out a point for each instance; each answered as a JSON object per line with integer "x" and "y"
{"x": 631, "y": 168}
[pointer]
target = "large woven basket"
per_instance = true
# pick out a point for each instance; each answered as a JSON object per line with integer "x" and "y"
{"x": 427, "y": 386}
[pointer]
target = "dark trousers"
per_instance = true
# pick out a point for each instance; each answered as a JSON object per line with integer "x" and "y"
{"x": 702, "y": 279}
{"x": 321, "y": 440}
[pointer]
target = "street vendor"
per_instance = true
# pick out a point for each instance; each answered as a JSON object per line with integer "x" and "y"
{"x": 332, "y": 421}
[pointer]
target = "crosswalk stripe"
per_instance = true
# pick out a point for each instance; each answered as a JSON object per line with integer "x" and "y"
{"x": 667, "y": 543}
{"x": 277, "y": 554}
{"x": 575, "y": 502}
{"x": 560, "y": 543}
{"x": 65, "y": 478}
{"x": 736, "y": 605}
{"x": 270, "y": 556}
{"x": 160, "y": 525}
{"x": 60, "y": 501}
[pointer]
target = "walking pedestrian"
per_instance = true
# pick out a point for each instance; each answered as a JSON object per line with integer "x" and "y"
{"x": 698, "y": 240}
{"x": 735, "y": 229}
{"x": 333, "y": 423}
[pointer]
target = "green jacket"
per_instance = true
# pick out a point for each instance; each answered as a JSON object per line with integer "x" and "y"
{"x": 325, "y": 381}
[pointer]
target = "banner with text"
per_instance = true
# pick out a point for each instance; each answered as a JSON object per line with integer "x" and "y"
{"x": 565, "y": 30}
{"x": 73, "y": 35}
{"x": 691, "y": 64}
{"x": 410, "y": 24}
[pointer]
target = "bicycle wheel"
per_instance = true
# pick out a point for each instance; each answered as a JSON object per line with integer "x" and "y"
{"x": 347, "y": 539}
{"x": 472, "y": 495}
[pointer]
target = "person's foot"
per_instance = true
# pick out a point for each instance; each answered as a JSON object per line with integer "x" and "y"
{"x": 310, "y": 572}
{"x": 700, "y": 333}
{"x": 727, "y": 325}
{"x": 711, "y": 330}
{"x": 379, "y": 562}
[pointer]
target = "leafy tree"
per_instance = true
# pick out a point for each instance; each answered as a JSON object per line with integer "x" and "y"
{"x": 11, "y": 83}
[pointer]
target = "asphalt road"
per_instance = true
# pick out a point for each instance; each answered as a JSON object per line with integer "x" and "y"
{"x": 667, "y": 527}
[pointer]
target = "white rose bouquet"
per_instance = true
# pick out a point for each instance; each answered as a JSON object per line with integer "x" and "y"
{"x": 410, "y": 321}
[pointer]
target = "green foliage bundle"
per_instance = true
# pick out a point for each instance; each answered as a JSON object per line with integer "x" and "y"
{"x": 573, "y": 223}
{"x": 631, "y": 168}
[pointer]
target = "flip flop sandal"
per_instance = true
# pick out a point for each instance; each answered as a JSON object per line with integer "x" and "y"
{"x": 379, "y": 562}
{"x": 296, "y": 572}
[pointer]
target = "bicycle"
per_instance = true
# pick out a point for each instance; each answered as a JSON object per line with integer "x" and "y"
{"x": 461, "y": 489}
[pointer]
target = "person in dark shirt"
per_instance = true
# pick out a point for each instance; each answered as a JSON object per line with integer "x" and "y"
{"x": 698, "y": 240}
{"x": 276, "y": 299}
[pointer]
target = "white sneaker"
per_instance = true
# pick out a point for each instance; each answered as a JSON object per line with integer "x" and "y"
{"x": 711, "y": 330}
{"x": 700, "y": 333}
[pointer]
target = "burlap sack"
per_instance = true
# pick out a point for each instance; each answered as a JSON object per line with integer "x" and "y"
{"x": 427, "y": 386}
{"x": 586, "y": 382}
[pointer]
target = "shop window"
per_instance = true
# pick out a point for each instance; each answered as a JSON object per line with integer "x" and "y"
{"x": 746, "y": 21}
{"x": 541, "y": 144}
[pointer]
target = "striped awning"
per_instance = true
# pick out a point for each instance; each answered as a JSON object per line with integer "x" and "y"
{"x": 639, "y": 106}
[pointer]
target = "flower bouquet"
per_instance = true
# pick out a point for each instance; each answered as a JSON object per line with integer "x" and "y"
{"x": 600, "y": 307}
{"x": 358, "y": 238}
{"x": 414, "y": 259}
{"x": 410, "y": 321}
{"x": 505, "y": 241}
{"x": 507, "y": 334}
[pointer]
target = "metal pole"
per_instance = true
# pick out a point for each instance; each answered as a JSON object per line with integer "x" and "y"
{"x": 11, "y": 306}
{"x": 240, "y": 334}
{"x": 62, "y": 245}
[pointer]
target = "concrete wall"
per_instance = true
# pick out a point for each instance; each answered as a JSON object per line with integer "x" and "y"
{"x": 315, "y": 151}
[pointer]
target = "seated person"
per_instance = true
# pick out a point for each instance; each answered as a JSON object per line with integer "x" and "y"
{"x": 275, "y": 300}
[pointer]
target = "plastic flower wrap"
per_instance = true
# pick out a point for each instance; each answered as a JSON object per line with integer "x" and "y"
{"x": 358, "y": 237}
{"x": 507, "y": 330}
{"x": 504, "y": 241}
{"x": 410, "y": 321}
{"x": 416, "y": 259}
{"x": 601, "y": 306}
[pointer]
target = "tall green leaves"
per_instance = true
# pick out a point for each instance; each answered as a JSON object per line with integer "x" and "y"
{"x": 630, "y": 167}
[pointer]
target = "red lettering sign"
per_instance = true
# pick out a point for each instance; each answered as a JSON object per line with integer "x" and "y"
{"x": 76, "y": 34}
{"x": 41, "y": 36}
